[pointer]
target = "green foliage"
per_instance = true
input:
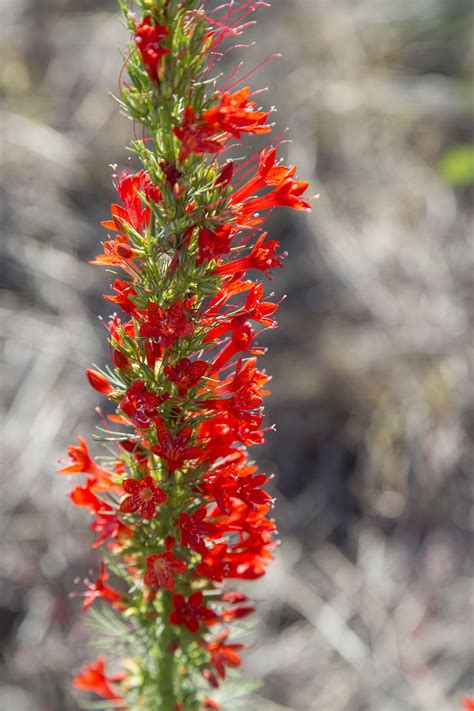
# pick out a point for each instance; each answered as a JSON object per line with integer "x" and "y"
{"x": 457, "y": 165}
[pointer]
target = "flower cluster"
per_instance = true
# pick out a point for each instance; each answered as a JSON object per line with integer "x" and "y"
{"x": 177, "y": 506}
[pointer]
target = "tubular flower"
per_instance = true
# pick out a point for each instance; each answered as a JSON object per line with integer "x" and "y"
{"x": 148, "y": 38}
{"x": 235, "y": 115}
{"x": 100, "y": 590}
{"x": 99, "y": 382}
{"x": 174, "y": 450}
{"x": 190, "y": 612}
{"x": 177, "y": 507}
{"x": 143, "y": 497}
{"x": 140, "y": 404}
{"x": 186, "y": 374}
{"x": 93, "y": 678}
{"x": 166, "y": 327}
{"x": 224, "y": 655}
{"x": 161, "y": 569}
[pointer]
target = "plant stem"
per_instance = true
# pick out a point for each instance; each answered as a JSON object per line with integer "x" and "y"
{"x": 166, "y": 670}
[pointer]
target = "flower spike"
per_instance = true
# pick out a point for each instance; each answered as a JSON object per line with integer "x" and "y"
{"x": 179, "y": 511}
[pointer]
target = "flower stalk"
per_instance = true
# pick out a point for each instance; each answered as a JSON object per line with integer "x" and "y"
{"x": 178, "y": 508}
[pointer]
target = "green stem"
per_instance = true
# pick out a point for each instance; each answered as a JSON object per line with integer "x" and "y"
{"x": 166, "y": 670}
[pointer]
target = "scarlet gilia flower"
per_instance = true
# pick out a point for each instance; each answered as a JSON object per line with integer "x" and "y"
{"x": 222, "y": 654}
{"x": 262, "y": 257}
{"x": 214, "y": 243}
{"x": 124, "y": 292}
{"x": 149, "y": 37}
{"x": 133, "y": 212}
{"x": 82, "y": 462}
{"x": 174, "y": 450}
{"x": 166, "y": 327}
{"x": 93, "y": 678}
{"x": 190, "y": 612}
{"x": 100, "y": 590}
{"x": 235, "y": 114}
{"x": 240, "y": 342}
{"x": 161, "y": 569}
{"x": 116, "y": 253}
{"x": 208, "y": 133}
{"x": 195, "y": 136}
{"x": 258, "y": 310}
{"x": 144, "y": 497}
{"x": 110, "y": 528}
{"x": 140, "y": 405}
{"x": 228, "y": 484}
{"x": 130, "y": 217}
{"x": 99, "y": 382}
{"x": 225, "y": 174}
{"x": 238, "y": 606}
{"x": 186, "y": 373}
{"x": 85, "y": 497}
{"x": 285, "y": 194}
{"x": 195, "y": 528}
{"x": 269, "y": 173}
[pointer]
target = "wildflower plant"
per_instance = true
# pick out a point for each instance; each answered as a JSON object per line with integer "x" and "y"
{"x": 180, "y": 512}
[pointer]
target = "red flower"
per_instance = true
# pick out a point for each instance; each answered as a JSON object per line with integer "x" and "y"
{"x": 268, "y": 173}
{"x": 241, "y": 341}
{"x": 238, "y": 607}
{"x": 235, "y": 114}
{"x": 93, "y": 678}
{"x": 245, "y": 378}
{"x": 123, "y": 292}
{"x": 229, "y": 484}
{"x": 225, "y": 174}
{"x": 132, "y": 212}
{"x": 208, "y": 133}
{"x": 99, "y": 589}
{"x": 211, "y": 704}
{"x": 161, "y": 568}
{"x": 213, "y": 244}
{"x": 468, "y": 704}
{"x": 236, "y": 613}
{"x": 194, "y": 528}
{"x": 144, "y": 497}
{"x": 84, "y": 497}
{"x": 116, "y": 252}
{"x": 108, "y": 525}
{"x": 140, "y": 405}
{"x": 190, "y": 612}
{"x": 195, "y": 137}
{"x": 215, "y": 563}
{"x": 117, "y": 329}
{"x": 258, "y": 310}
{"x": 285, "y": 194}
{"x": 223, "y": 654}
{"x": 148, "y": 38}
{"x": 166, "y": 326}
{"x": 99, "y": 382}
{"x": 174, "y": 449}
{"x": 82, "y": 462}
{"x": 210, "y": 678}
{"x": 262, "y": 257}
{"x": 186, "y": 374}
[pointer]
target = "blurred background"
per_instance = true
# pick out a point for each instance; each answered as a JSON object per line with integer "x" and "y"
{"x": 369, "y": 602}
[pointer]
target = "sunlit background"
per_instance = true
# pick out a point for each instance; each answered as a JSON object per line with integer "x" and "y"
{"x": 369, "y": 602}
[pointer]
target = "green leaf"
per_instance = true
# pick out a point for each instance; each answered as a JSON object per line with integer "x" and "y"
{"x": 457, "y": 165}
